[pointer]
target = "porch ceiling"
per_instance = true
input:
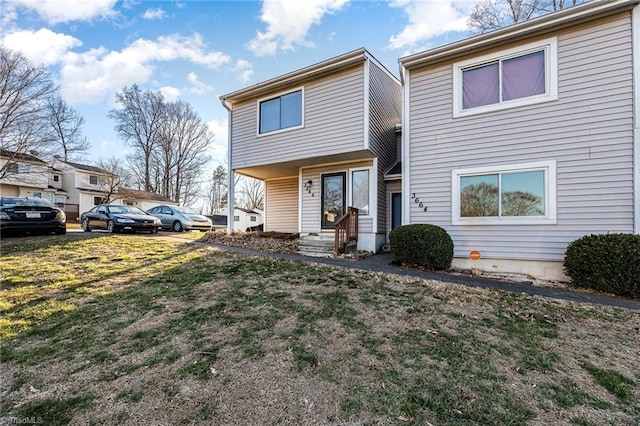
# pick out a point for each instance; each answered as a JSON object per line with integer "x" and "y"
{"x": 290, "y": 168}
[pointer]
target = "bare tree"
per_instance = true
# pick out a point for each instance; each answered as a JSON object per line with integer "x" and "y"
{"x": 138, "y": 123}
{"x": 66, "y": 124}
{"x": 489, "y": 15}
{"x": 112, "y": 178}
{"x": 252, "y": 193}
{"x": 217, "y": 194}
{"x": 24, "y": 90}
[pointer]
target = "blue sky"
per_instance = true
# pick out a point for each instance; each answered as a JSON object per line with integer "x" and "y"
{"x": 199, "y": 50}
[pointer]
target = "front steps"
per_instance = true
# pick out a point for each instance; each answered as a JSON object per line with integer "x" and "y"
{"x": 317, "y": 245}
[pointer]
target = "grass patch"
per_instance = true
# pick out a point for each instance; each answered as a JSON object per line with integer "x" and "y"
{"x": 614, "y": 382}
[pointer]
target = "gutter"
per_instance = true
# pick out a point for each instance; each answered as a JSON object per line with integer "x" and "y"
{"x": 635, "y": 43}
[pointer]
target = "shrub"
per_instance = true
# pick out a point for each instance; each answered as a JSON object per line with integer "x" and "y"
{"x": 423, "y": 245}
{"x": 609, "y": 263}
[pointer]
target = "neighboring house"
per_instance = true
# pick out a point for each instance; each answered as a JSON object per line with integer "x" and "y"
{"x": 142, "y": 199}
{"x": 86, "y": 185}
{"x": 524, "y": 139}
{"x": 243, "y": 219}
{"x": 29, "y": 176}
{"x": 321, "y": 138}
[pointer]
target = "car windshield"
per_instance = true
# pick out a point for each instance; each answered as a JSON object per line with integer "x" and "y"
{"x": 185, "y": 210}
{"x": 18, "y": 201}
{"x": 125, "y": 210}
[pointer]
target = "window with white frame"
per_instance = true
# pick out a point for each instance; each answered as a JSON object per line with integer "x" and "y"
{"x": 281, "y": 112}
{"x": 360, "y": 190}
{"x": 522, "y": 194}
{"x": 514, "y": 77}
{"x": 93, "y": 179}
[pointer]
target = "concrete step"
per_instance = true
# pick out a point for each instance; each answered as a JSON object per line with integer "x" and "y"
{"x": 316, "y": 245}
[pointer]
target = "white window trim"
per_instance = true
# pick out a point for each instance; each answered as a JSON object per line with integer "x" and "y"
{"x": 550, "y": 47}
{"x": 277, "y": 95}
{"x": 549, "y": 167}
{"x": 350, "y": 188}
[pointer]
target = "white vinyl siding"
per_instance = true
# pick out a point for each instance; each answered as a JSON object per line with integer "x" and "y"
{"x": 588, "y": 132}
{"x": 281, "y": 206}
{"x": 333, "y": 124}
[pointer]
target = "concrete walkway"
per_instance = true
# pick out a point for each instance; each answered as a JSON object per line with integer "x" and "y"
{"x": 382, "y": 263}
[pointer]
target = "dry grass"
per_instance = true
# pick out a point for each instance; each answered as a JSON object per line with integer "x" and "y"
{"x": 130, "y": 329}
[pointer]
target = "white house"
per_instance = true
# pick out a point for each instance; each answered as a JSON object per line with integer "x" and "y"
{"x": 244, "y": 219}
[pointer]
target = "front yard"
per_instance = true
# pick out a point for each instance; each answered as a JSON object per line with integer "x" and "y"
{"x": 126, "y": 329}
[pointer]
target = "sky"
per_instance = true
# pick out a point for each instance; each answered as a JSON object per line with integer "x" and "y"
{"x": 197, "y": 51}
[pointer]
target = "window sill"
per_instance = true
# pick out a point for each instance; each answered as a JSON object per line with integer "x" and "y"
{"x": 504, "y": 221}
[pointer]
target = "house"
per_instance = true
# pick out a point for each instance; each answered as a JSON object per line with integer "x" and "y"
{"x": 86, "y": 185}
{"x": 521, "y": 140}
{"x": 29, "y": 176}
{"x": 321, "y": 138}
{"x": 144, "y": 200}
{"x": 243, "y": 219}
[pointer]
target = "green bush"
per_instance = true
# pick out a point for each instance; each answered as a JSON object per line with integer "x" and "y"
{"x": 423, "y": 245}
{"x": 608, "y": 263}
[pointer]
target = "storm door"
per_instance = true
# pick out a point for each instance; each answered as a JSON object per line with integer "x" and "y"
{"x": 333, "y": 198}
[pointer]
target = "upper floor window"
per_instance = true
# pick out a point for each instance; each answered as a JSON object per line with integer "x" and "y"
{"x": 56, "y": 178}
{"x": 18, "y": 168}
{"x": 93, "y": 180}
{"x": 515, "y": 77}
{"x": 282, "y": 112}
{"x": 521, "y": 193}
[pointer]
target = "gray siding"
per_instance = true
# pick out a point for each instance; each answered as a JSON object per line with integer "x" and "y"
{"x": 333, "y": 124}
{"x": 281, "y": 209}
{"x": 588, "y": 131}
{"x": 385, "y": 112}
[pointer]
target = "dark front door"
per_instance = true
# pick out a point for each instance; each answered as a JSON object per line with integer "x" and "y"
{"x": 333, "y": 198}
{"x": 396, "y": 209}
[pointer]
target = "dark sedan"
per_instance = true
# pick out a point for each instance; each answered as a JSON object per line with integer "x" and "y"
{"x": 117, "y": 218}
{"x": 31, "y": 215}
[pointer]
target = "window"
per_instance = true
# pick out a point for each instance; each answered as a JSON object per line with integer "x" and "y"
{"x": 97, "y": 200}
{"x": 37, "y": 195}
{"x": 18, "y": 168}
{"x": 360, "y": 191}
{"x": 93, "y": 180}
{"x": 236, "y": 218}
{"x": 522, "y": 194}
{"x": 56, "y": 178}
{"x": 511, "y": 78}
{"x": 253, "y": 219}
{"x": 282, "y": 112}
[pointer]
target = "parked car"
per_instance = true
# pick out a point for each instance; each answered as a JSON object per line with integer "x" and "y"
{"x": 116, "y": 218}
{"x": 181, "y": 219}
{"x": 31, "y": 215}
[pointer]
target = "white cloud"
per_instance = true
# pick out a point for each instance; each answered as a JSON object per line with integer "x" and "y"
{"x": 244, "y": 69}
{"x": 197, "y": 87}
{"x": 220, "y": 130}
{"x": 97, "y": 73}
{"x": 169, "y": 93}
{"x": 54, "y": 12}
{"x": 42, "y": 46}
{"x": 428, "y": 19}
{"x": 288, "y": 22}
{"x": 154, "y": 13}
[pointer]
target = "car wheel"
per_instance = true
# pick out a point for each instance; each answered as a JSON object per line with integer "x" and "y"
{"x": 85, "y": 225}
{"x": 177, "y": 226}
{"x": 154, "y": 231}
{"x": 111, "y": 227}
{"x": 61, "y": 231}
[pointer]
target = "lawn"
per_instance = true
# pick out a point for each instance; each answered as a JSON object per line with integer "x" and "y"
{"x": 126, "y": 329}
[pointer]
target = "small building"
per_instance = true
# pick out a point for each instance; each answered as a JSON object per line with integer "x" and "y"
{"x": 244, "y": 219}
{"x": 144, "y": 200}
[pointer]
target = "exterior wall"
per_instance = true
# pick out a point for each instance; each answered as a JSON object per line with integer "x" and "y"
{"x": 333, "y": 117}
{"x": 7, "y": 190}
{"x": 281, "y": 205}
{"x": 36, "y": 177}
{"x": 587, "y": 131}
{"x": 311, "y": 208}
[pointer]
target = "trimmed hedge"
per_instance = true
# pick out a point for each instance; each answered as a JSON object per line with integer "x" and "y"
{"x": 608, "y": 263}
{"x": 422, "y": 245}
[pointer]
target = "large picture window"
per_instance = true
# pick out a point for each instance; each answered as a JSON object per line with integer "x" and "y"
{"x": 282, "y": 112}
{"x": 523, "y": 193}
{"x": 510, "y": 78}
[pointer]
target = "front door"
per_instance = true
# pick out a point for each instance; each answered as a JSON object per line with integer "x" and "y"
{"x": 396, "y": 209}
{"x": 333, "y": 198}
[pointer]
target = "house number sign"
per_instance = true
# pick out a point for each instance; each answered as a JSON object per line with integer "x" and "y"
{"x": 418, "y": 202}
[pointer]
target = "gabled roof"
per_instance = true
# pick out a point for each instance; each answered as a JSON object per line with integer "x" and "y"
{"x": 566, "y": 17}
{"x": 20, "y": 156}
{"x": 142, "y": 195}
{"x": 86, "y": 168}
{"x": 293, "y": 78}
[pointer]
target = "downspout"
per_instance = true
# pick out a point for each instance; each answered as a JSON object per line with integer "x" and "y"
{"x": 635, "y": 31}
{"x": 404, "y": 147}
{"x": 231, "y": 202}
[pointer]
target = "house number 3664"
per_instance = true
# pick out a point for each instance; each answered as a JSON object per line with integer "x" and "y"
{"x": 418, "y": 202}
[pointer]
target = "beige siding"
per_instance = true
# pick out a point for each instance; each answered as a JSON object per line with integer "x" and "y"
{"x": 333, "y": 124}
{"x": 587, "y": 131}
{"x": 384, "y": 106}
{"x": 281, "y": 207}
